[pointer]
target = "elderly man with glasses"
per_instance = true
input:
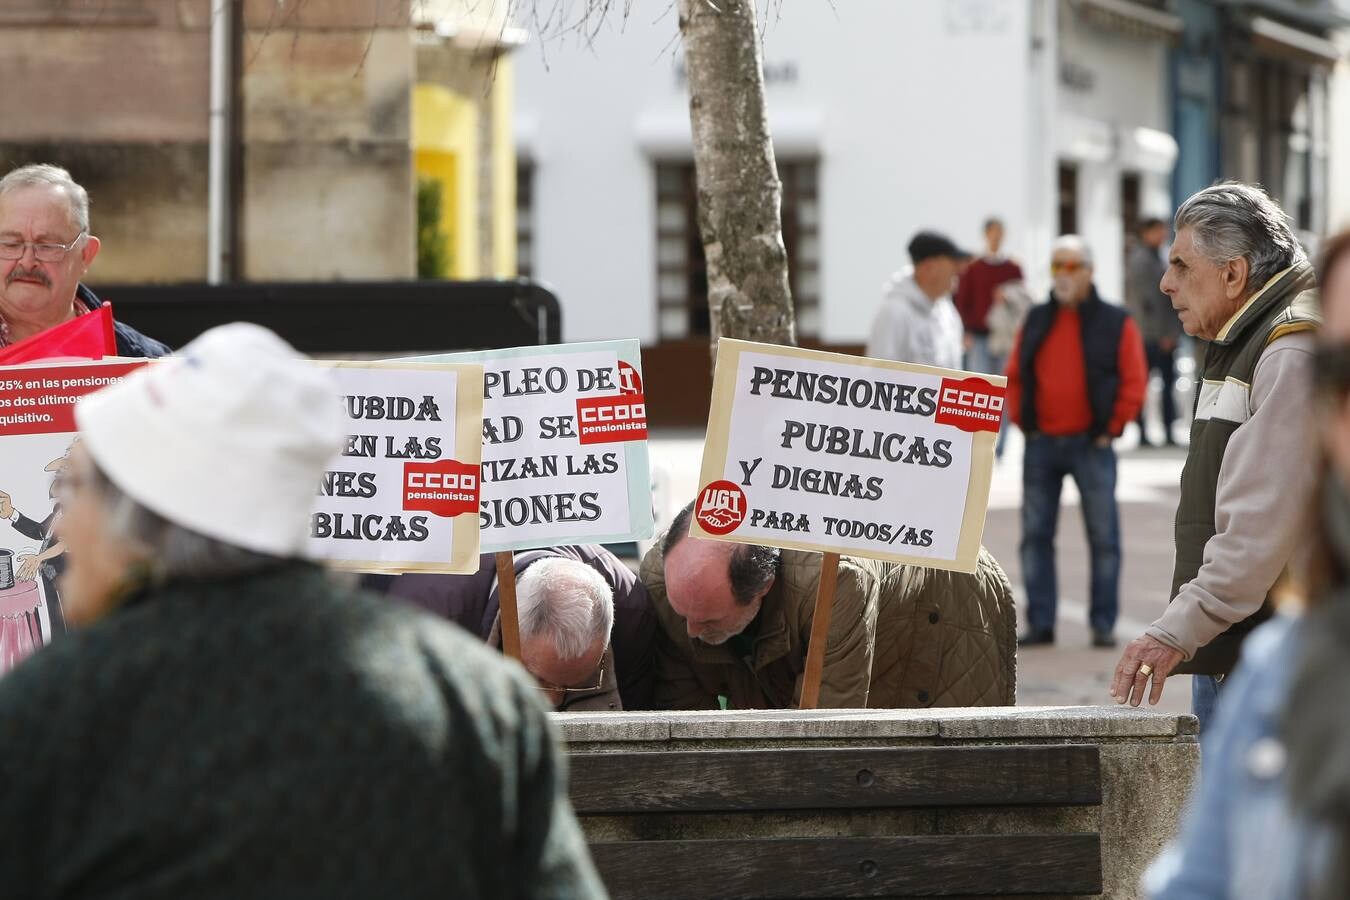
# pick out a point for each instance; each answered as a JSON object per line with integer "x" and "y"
{"x": 1076, "y": 376}
{"x": 587, "y": 630}
{"x": 45, "y": 249}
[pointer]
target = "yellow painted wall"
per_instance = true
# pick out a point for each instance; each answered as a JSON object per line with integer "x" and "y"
{"x": 444, "y": 148}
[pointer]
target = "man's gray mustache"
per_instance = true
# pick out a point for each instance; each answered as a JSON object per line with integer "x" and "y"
{"x": 19, "y": 272}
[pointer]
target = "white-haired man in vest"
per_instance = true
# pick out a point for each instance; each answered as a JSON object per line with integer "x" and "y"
{"x": 1238, "y": 279}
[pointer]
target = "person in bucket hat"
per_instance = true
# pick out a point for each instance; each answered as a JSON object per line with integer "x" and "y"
{"x": 228, "y": 721}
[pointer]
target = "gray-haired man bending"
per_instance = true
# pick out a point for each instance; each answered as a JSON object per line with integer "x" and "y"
{"x": 587, "y": 631}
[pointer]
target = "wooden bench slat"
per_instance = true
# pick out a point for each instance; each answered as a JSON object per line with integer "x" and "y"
{"x": 927, "y": 866}
{"x": 834, "y": 778}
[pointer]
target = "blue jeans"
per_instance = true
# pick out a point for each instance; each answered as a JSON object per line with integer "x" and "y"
{"x": 1046, "y": 462}
{"x": 1204, "y": 698}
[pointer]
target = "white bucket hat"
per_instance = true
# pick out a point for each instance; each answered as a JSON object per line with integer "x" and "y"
{"x": 229, "y": 439}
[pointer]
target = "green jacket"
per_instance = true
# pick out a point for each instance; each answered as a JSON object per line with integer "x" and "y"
{"x": 900, "y": 637}
{"x": 280, "y": 736}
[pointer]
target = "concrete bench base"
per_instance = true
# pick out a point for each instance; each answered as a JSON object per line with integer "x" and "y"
{"x": 1147, "y": 762}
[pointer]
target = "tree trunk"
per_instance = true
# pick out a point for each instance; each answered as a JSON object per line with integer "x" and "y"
{"x": 739, "y": 194}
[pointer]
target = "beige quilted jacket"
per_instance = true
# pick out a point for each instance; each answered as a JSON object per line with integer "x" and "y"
{"x": 900, "y": 637}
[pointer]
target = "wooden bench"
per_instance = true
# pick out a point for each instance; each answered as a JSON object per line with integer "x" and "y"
{"x": 662, "y": 790}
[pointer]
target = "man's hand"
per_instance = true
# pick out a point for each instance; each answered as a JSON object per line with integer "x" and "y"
{"x": 1130, "y": 683}
{"x": 28, "y": 566}
{"x": 6, "y": 506}
{"x": 1168, "y": 344}
{"x": 1103, "y": 441}
{"x": 967, "y": 341}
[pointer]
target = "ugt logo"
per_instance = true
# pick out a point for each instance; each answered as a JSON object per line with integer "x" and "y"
{"x": 721, "y": 507}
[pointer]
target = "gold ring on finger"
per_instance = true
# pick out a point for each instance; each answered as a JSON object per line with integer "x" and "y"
{"x": 1146, "y": 670}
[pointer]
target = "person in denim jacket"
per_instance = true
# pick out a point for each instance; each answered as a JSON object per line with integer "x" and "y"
{"x": 1270, "y": 817}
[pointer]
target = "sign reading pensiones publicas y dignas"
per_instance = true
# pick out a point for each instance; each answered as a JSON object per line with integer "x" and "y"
{"x": 843, "y": 454}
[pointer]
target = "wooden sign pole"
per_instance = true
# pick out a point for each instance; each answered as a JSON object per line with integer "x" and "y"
{"x": 820, "y": 631}
{"x": 506, "y": 594}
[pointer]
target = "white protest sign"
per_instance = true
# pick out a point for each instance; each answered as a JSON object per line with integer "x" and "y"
{"x": 842, "y": 454}
{"x": 564, "y": 445}
{"x": 37, "y": 428}
{"x": 402, "y": 496}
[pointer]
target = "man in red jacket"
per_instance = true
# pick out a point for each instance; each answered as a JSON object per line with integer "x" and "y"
{"x": 1076, "y": 376}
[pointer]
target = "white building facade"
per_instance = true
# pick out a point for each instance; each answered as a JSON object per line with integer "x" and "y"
{"x": 888, "y": 117}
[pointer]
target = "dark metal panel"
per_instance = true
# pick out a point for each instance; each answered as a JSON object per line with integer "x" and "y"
{"x": 350, "y": 317}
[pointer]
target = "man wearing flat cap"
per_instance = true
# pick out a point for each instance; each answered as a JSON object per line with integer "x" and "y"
{"x": 917, "y": 321}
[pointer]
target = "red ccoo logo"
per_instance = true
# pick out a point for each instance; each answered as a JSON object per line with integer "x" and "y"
{"x": 970, "y": 404}
{"x": 446, "y": 488}
{"x": 605, "y": 420}
{"x": 721, "y": 507}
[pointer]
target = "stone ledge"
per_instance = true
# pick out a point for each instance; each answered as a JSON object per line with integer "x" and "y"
{"x": 988, "y": 723}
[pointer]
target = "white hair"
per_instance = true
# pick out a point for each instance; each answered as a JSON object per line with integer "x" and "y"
{"x": 45, "y": 175}
{"x": 1074, "y": 244}
{"x": 165, "y": 550}
{"x": 567, "y": 601}
{"x": 1232, "y": 220}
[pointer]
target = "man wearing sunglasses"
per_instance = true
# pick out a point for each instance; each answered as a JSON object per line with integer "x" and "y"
{"x": 1076, "y": 376}
{"x": 45, "y": 249}
{"x": 1238, "y": 279}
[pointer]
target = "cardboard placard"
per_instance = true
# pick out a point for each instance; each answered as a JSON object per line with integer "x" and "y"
{"x": 37, "y": 428}
{"x": 564, "y": 445}
{"x": 403, "y": 494}
{"x": 843, "y": 454}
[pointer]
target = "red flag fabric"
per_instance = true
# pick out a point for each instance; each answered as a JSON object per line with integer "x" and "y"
{"x": 89, "y": 336}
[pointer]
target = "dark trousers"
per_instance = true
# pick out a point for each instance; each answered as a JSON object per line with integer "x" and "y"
{"x": 1164, "y": 362}
{"x": 1045, "y": 464}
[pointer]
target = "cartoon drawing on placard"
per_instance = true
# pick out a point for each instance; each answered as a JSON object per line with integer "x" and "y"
{"x": 28, "y": 579}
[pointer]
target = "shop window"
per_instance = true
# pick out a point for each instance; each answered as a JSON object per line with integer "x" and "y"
{"x": 681, "y": 270}
{"x": 1068, "y": 198}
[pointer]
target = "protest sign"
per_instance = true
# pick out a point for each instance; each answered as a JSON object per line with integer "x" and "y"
{"x": 403, "y": 494}
{"x": 564, "y": 445}
{"x": 37, "y": 428}
{"x": 841, "y": 454}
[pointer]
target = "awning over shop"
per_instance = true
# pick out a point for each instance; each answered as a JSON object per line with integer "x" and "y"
{"x": 1317, "y": 15}
{"x": 1276, "y": 39}
{"x": 1135, "y": 19}
{"x": 666, "y": 133}
{"x": 1085, "y": 140}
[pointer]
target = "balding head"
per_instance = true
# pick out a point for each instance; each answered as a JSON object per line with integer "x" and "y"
{"x": 716, "y": 586}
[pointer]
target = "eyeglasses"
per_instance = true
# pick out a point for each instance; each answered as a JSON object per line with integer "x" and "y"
{"x": 1068, "y": 268}
{"x": 559, "y": 689}
{"x": 48, "y": 253}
